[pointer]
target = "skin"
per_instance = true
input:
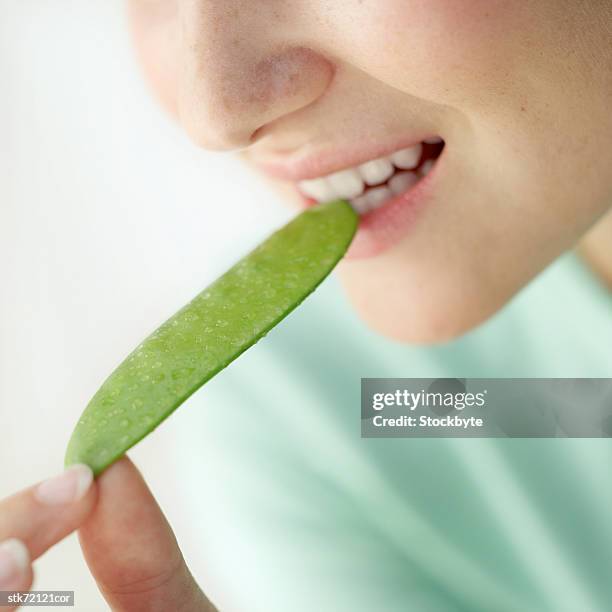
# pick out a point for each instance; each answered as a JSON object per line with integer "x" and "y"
{"x": 520, "y": 93}
{"x": 518, "y": 90}
{"x": 129, "y": 546}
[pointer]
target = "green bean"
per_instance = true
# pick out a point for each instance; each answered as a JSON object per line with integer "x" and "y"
{"x": 207, "y": 334}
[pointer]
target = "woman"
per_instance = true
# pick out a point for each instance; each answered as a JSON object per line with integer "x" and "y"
{"x": 473, "y": 139}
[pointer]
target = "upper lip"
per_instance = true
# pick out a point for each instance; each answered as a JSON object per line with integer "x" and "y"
{"x": 299, "y": 166}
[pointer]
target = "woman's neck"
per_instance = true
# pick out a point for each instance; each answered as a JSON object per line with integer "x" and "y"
{"x": 596, "y": 248}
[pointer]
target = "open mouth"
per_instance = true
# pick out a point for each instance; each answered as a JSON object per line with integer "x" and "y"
{"x": 370, "y": 185}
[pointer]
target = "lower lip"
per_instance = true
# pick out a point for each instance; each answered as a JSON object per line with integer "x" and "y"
{"x": 381, "y": 229}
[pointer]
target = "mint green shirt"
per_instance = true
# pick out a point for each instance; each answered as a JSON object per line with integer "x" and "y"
{"x": 292, "y": 511}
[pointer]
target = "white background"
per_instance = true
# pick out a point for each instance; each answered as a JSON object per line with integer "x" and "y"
{"x": 110, "y": 219}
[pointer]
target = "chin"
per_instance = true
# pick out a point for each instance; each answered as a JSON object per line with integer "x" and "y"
{"x": 426, "y": 313}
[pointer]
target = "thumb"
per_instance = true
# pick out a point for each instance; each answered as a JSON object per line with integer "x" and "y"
{"x": 131, "y": 550}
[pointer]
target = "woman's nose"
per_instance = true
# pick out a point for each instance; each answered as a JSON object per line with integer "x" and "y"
{"x": 241, "y": 70}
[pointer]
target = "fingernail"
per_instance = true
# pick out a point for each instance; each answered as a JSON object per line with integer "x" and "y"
{"x": 14, "y": 562}
{"x": 67, "y": 487}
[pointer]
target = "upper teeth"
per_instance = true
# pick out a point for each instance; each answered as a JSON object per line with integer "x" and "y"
{"x": 376, "y": 171}
{"x": 350, "y": 183}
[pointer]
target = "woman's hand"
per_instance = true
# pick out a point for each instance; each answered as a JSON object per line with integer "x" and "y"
{"x": 131, "y": 550}
{"x": 38, "y": 517}
{"x": 127, "y": 542}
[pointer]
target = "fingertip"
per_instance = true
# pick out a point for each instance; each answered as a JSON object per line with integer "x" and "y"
{"x": 122, "y": 474}
{"x": 15, "y": 564}
{"x": 84, "y": 478}
{"x": 69, "y": 487}
{"x": 124, "y": 463}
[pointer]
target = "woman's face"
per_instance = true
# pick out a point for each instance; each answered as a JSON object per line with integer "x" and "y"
{"x": 310, "y": 90}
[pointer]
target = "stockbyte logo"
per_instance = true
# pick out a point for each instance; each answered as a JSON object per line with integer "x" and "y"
{"x": 479, "y": 407}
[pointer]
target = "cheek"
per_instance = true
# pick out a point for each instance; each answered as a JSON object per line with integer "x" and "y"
{"x": 155, "y": 32}
{"x": 447, "y": 51}
{"x": 442, "y": 50}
